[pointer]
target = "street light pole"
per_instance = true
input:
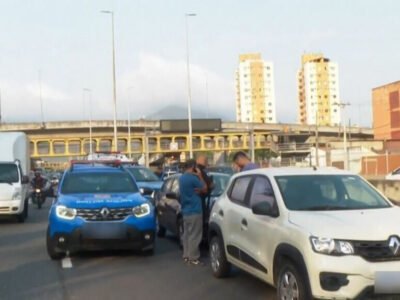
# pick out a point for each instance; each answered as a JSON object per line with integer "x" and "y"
{"x": 129, "y": 128}
{"x": 114, "y": 79}
{"x": 342, "y": 106}
{"x": 40, "y": 97}
{"x": 317, "y": 135}
{"x": 189, "y": 87}
{"x": 90, "y": 120}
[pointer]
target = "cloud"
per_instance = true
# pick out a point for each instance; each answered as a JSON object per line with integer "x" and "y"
{"x": 158, "y": 83}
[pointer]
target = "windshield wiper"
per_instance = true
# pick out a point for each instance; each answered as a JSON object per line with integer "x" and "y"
{"x": 326, "y": 207}
{"x": 4, "y": 181}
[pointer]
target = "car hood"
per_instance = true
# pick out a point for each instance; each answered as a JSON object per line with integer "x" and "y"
{"x": 7, "y": 191}
{"x": 373, "y": 224}
{"x": 101, "y": 200}
{"x": 154, "y": 185}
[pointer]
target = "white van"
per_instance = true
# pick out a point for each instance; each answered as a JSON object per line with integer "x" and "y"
{"x": 14, "y": 167}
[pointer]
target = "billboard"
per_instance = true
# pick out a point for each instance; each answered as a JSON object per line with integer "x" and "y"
{"x": 198, "y": 125}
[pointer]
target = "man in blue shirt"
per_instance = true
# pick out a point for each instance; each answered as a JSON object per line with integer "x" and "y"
{"x": 191, "y": 185}
{"x": 243, "y": 162}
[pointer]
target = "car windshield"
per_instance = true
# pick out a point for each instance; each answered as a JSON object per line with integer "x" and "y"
{"x": 220, "y": 182}
{"x": 221, "y": 169}
{"x": 328, "y": 192}
{"x": 8, "y": 173}
{"x": 98, "y": 183}
{"x": 143, "y": 174}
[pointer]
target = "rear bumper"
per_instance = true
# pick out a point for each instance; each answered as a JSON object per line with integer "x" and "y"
{"x": 11, "y": 207}
{"x": 81, "y": 239}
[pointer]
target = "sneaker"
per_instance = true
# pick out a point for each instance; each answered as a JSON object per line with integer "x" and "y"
{"x": 185, "y": 260}
{"x": 196, "y": 262}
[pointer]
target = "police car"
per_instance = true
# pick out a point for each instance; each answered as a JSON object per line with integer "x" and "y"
{"x": 99, "y": 206}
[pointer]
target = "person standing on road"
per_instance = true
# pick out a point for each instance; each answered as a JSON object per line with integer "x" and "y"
{"x": 191, "y": 185}
{"x": 243, "y": 162}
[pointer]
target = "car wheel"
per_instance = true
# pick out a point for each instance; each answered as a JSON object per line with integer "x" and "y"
{"x": 161, "y": 231}
{"x": 26, "y": 209}
{"x": 291, "y": 285}
{"x": 219, "y": 264}
{"x": 21, "y": 217}
{"x": 51, "y": 248}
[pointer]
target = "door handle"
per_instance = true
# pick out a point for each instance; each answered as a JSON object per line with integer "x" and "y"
{"x": 244, "y": 222}
{"x": 221, "y": 212}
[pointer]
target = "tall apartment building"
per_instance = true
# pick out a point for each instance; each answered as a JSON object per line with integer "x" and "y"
{"x": 318, "y": 91}
{"x": 255, "y": 92}
{"x": 386, "y": 111}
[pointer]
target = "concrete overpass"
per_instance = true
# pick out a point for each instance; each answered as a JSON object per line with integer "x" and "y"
{"x": 67, "y": 140}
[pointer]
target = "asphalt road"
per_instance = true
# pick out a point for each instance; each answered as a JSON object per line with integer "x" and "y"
{"x": 26, "y": 272}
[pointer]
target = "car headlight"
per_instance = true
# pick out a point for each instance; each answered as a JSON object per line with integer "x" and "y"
{"x": 141, "y": 210}
{"x": 16, "y": 196}
{"x": 64, "y": 212}
{"x": 331, "y": 246}
{"x": 37, "y": 191}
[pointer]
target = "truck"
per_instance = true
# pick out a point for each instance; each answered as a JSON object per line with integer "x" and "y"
{"x": 14, "y": 180}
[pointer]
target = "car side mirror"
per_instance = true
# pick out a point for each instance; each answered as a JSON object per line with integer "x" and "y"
{"x": 25, "y": 179}
{"x": 171, "y": 195}
{"x": 264, "y": 208}
{"x": 146, "y": 191}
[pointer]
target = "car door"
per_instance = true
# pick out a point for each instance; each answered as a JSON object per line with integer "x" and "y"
{"x": 258, "y": 235}
{"x": 173, "y": 206}
{"x": 161, "y": 202}
{"x": 234, "y": 215}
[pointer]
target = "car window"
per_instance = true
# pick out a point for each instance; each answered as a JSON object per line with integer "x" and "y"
{"x": 175, "y": 186}
{"x": 262, "y": 192}
{"x": 167, "y": 185}
{"x": 9, "y": 173}
{"x": 98, "y": 183}
{"x": 396, "y": 172}
{"x": 328, "y": 192}
{"x": 239, "y": 189}
{"x": 143, "y": 174}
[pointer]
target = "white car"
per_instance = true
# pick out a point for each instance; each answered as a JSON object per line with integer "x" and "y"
{"x": 395, "y": 175}
{"x": 311, "y": 233}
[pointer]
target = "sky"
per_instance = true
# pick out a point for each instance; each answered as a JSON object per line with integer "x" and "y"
{"x": 67, "y": 43}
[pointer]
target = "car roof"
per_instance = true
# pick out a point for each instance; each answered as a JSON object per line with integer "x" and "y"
{"x": 95, "y": 169}
{"x": 292, "y": 171}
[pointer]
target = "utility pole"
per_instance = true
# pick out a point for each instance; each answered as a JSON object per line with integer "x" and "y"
{"x": 342, "y": 106}
{"x": 40, "y": 97}
{"x": 316, "y": 137}
{"x": 114, "y": 79}
{"x": 189, "y": 87}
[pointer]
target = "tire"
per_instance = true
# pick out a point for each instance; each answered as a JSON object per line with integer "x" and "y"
{"x": 291, "y": 285}
{"x": 51, "y": 248}
{"x": 219, "y": 264}
{"x": 26, "y": 209}
{"x": 149, "y": 251}
{"x": 39, "y": 203}
{"x": 162, "y": 231}
{"x": 21, "y": 218}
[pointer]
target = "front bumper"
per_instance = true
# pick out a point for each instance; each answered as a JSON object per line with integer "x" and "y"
{"x": 359, "y": 274}
{"x": 78, "y": 234}
{"x": 79, "y": 239}
{"x": 11, "y": 207}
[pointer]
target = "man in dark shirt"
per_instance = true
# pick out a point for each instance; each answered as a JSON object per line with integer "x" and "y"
{"x": 243, "y": 162}
{"x": 191, "y": 185}
{"x": 202, "y": 164}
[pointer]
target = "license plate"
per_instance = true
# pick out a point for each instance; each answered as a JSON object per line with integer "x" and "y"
{"x": 387, "y": 282}
{"x": 104, "y": 231}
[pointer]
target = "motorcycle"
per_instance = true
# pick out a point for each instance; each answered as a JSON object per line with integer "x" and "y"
{"x": 37, "y": 197}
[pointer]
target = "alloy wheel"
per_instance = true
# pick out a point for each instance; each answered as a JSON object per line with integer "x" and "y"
{"x": 215, "y": 254}
{"x": 289, "y": 289}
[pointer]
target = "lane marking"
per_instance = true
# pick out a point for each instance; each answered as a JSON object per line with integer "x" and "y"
{"x": 66, "y": 263}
